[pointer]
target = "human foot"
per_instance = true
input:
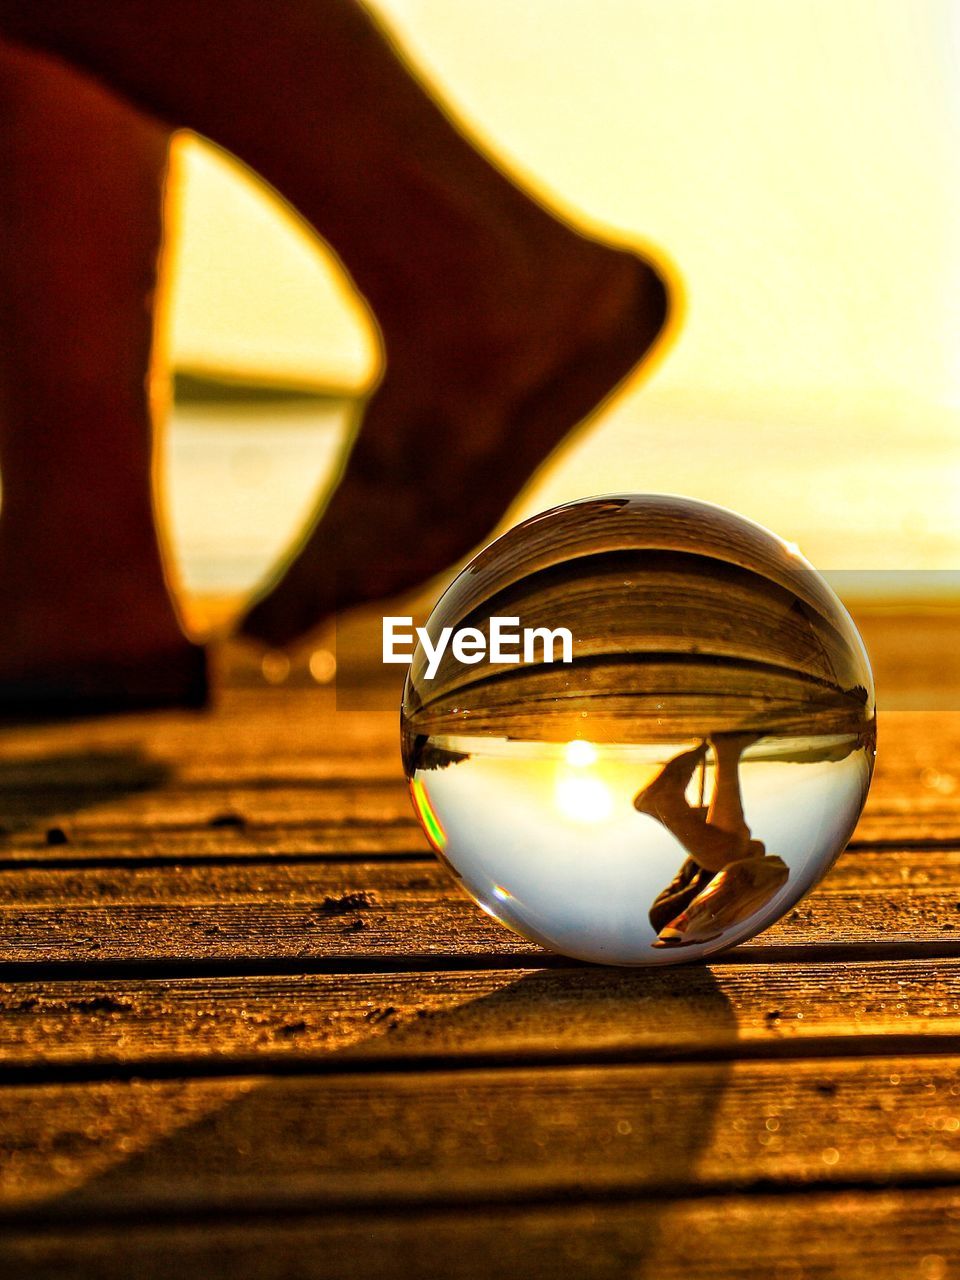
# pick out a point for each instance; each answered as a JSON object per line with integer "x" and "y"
{"x": 455, "y": 431}
{"x": 665, "y": 797}
{"x": 503, "y": 327}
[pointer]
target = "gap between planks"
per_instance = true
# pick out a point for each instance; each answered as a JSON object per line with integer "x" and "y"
{"x": 245, "y": 966}
{"x": 314, "y": 1024}
{"x": 290, "y": 845}
{"x": 828, "y": 1049}
{"x": 835, "y": 1235}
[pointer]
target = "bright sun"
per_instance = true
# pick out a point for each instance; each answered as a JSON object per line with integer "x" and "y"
{"x": 580, "y": 795}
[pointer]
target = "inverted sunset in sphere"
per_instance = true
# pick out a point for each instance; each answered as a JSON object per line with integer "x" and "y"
{"x": 679, "y": 777}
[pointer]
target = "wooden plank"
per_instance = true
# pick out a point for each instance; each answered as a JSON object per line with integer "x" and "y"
{"x": 225, "y": 836}
{"x": 119, "y": 772}
{"x": 286, "y": 730}
{"x": 330, "y": 1021}
{"x": 243, "y": 725}
{"x": 288, "y": 823}
{"x": 297, "y": 790}
{"x": 840, "y": 1235}
{"x": 362, "y": 912}
{"x": 129, "y": 786}
{"x": 279, "y": 812}
{"x": 916, "y": 788}
{"x": 363, "y": 1111}
{"x": 913, "y": 649}
{"x": 385, "y": 803}
{"x": 478, "y": 1135}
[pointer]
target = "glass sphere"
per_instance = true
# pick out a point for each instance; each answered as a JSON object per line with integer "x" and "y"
{"x": 686, "y": 776}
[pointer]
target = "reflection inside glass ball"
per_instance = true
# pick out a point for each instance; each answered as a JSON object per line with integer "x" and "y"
{"x": 688, "y": 776}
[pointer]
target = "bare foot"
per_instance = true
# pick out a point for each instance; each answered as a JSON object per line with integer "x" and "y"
{"x": 454, "y": 432}
{"x": 503, "y": 327}
{"x": 666, "y": 794}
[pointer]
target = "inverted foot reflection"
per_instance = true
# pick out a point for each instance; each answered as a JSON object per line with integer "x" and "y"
{"x": 728, "y": 875}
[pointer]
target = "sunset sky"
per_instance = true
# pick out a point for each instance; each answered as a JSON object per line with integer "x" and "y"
{"x": 797, "y": 165}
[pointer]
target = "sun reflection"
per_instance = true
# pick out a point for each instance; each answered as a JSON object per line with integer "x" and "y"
{"x": 579, "y": 754}
{"x": 580, "y": 795}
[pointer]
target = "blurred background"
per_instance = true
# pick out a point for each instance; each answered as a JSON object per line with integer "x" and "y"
{"x": 797, "y": 164}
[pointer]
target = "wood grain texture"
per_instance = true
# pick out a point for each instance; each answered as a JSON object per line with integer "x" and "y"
{"x": 280, "y": 732}
{"x": 355, "y": 911}
{"x": 330, "y": 1021}
{"x": 883, "y": 1235}
{"x": 250, "y": 1028}
{"x": 501, "y": 1135}
{"x": 241, "y": 784}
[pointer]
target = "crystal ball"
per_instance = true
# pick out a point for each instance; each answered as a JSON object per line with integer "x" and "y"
{"x": 675, "y": 776}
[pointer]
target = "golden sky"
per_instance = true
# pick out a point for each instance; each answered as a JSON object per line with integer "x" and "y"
{"x": 796, "y": 162}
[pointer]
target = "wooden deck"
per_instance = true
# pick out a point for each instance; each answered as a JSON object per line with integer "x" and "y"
{"x": 249, "y": 1028}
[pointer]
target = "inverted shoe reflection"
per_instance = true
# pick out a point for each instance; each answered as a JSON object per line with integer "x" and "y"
{"x": 728, "y": 875}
